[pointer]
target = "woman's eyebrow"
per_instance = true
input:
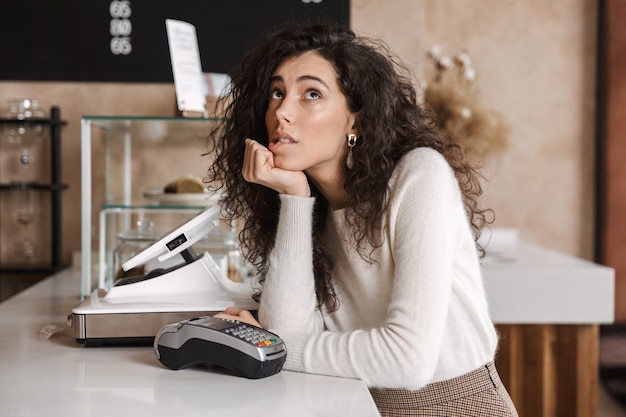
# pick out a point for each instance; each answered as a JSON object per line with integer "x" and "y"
{"x": 314, "y": 78}
{"x": 278, "y": 78}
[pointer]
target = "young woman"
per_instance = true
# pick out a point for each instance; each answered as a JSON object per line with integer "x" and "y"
{"x": 362, "y": 221}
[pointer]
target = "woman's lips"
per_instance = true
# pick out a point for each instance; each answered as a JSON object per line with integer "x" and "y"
{"x": 276, "y": 143}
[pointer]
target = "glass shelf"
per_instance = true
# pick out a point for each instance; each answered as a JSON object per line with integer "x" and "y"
{"x": 140, "y": 124}
{"x": 160, "y": 207}
{"x": 32, "y": 185}
{"x": 29, "y": 121}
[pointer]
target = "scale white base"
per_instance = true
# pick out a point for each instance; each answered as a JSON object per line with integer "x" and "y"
{"x": 134, "y": 313}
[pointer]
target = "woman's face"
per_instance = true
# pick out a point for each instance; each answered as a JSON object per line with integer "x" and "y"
{"x": 307, "y": 118}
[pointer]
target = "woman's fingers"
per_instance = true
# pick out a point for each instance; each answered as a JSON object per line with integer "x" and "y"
{"x": 258, "y": 162}
{"x": 232, "y": 313}
{"x": 258, "y": 168}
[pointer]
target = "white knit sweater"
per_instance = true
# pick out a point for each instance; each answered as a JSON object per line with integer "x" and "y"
{"x": 416, "y": 316}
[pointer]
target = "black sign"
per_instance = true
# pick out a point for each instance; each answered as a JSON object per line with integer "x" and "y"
{"x": 104, "y": 40}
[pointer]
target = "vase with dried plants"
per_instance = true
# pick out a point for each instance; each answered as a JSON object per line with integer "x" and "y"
{"x": 449, "y": 90}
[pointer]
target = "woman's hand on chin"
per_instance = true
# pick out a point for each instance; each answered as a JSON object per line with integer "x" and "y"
{"x": 258, "y": 168}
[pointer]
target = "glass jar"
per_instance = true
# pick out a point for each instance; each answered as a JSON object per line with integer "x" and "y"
{"x": 23, "y": 109}
{"x": 23, "y": 134}
{"x": 131, "y": 243}
{"x": 222, "y": 244}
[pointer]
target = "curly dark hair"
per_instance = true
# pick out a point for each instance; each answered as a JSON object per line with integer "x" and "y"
{"x": 389, "y": 119}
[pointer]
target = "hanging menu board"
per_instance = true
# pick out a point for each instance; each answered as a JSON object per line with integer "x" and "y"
{"x": 126, "y": 41}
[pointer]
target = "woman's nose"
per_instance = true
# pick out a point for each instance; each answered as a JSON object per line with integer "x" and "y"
{"x": 285, "y": 112}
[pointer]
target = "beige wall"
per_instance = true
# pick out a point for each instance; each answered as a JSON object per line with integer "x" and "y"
{"x": 535, "y": 62}
{"x": 536, "y": 65}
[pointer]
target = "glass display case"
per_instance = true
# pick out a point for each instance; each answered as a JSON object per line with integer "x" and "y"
{"x": 127, "y": 164}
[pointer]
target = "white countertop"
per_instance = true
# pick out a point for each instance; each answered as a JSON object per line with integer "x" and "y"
{"x": 55, "y": 376}
{"x": 529, "y": 284}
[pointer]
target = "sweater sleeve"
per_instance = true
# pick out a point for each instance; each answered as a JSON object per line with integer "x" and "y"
{"x": 288, "y": 303}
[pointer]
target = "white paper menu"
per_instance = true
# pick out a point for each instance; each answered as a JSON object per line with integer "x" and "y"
{"x": 189, "y": 81}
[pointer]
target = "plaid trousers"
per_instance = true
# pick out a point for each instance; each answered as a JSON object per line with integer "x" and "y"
{"x": 479, "y": 393}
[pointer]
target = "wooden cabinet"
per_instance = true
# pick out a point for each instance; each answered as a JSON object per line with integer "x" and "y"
{"x": 548, "y": 307}
{"x": 550, "y": 370}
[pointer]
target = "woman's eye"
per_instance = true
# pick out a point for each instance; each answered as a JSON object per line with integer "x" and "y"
{"x": 276, "y": 94}
{"x": 312, "y": 95}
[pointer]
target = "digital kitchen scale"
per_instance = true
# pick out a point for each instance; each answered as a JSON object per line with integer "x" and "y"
{"x": 134, "y": 309}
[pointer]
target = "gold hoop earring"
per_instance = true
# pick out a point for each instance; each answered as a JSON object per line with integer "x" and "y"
{"x": 351, "y": 143}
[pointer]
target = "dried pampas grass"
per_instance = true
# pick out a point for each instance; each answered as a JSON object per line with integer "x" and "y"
{"x": 482, "y": 132}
